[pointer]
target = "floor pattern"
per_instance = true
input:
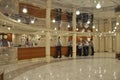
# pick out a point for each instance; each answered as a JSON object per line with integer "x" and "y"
{"x": 103, "y": 66}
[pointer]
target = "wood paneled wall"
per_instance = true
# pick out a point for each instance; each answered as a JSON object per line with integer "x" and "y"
{"x": 38, "y": 12}
{"x": 41, "y": 13}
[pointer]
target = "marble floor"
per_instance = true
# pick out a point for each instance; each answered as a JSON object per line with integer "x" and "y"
{"x": 102, "y": 66}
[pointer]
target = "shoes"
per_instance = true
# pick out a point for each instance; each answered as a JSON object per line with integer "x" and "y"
{"x": 60, "y": 57}
{"x": 55, "y": 56}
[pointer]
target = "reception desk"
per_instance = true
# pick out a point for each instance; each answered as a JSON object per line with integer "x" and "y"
{"x": 31, "y": 52}
{"x": 37, "y": 52}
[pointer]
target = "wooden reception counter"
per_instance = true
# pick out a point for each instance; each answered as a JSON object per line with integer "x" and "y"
{"x": 37, "y": 52}
{"x": 31, "y": 52}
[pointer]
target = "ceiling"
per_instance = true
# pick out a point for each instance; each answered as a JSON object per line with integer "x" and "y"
{"x": 11, "y": 7}
{"x": 90, "y": 4}
{"x": 108, "y": 6}
{"x": 106, "y": 11}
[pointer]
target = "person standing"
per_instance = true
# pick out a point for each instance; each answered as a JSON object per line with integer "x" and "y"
{"x": 85, "y": 50}
{"x": 79, "y": 48}
{"x": 87, "y": 47}
{"x": 0, "y": 40}
{"x": 1, "y": 45}
{"x": 58, "y": 48}
{"x": 5, "y": 41}
{"x": 27, "y": 42}
{"x": 92, "y": 47}
{"x": 69, "y": 49}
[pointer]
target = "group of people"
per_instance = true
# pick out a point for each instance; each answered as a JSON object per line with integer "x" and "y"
{"x": 84, "y": 48}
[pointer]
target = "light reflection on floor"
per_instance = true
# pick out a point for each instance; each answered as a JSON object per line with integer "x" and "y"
{"x": 81, "y": 69}
{"x": 102, "y": 66}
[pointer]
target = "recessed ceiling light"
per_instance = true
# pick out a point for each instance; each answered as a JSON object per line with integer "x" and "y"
{"x": 96, "y": 29}
{"x": 32, "y": 21}
{"x": 55, "y": 28}
{"x": 53, "y": 21}
{"x": 9, "y": 28}
{"x": 19, "y": 20}
{"x": 77, "y": 29}
{"x": 117, "y": 23}
{"x": 98, "y": 6}
{"x": 68, "y": 26}
{"x": 93, "y": 27}
{"x": 77, "y": 12}
{"x": 109, "y": 31}
{"x": 24, "y": 10}
{"x": 115, "y": 27}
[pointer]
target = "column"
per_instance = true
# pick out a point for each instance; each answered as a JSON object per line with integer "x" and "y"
{"x": 106, "y": 37}
{"x": 110, "y": 37}
{"x": 101, "y": 36}
{"x": 13, "y": 54}
{"x": 74, "y": 34}
{"x": 117, "y": 43}
{"x": 117, "y": 46}
{"x": 48, "y": 21}
{"x": 96, "y": 37}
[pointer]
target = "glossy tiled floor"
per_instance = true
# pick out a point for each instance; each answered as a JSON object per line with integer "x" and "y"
{"x": 103, "y": 66}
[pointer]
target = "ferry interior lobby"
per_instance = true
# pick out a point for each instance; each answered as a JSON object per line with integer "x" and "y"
{"x": 29, "y": 31}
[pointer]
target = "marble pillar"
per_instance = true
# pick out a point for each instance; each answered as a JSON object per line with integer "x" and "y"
{"x": 48, "y": 21}
{"x": 110, "y": 37}
{"x": 117, "y": 43}
{"x": 74, "y": 30}
{"x": 101, "y": 36}
{"x": 96, "y": 37}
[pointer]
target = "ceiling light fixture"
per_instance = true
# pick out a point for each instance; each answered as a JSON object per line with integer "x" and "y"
{"x": 114, "y": 30}
{"x": 68, "y": 26}
{"x": 9, "y": 28}
{"x": 77, "y": 12}
{"x": 93, "y": 27}
{"x": 32, "y": 21}
{"x": 98, "y": 6}
{"x": 77, "y": 29}
{"x": 109, "y": 31}
{"x": 96, "y": 29}
{"x": 24, "y": 10}
{"x": 19, "y": 20}
{"x": 115, "y": 27}
{"x": 117, "y": 23}
{"x": 55, "y": 28}
{"x": 53, "y": 21}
